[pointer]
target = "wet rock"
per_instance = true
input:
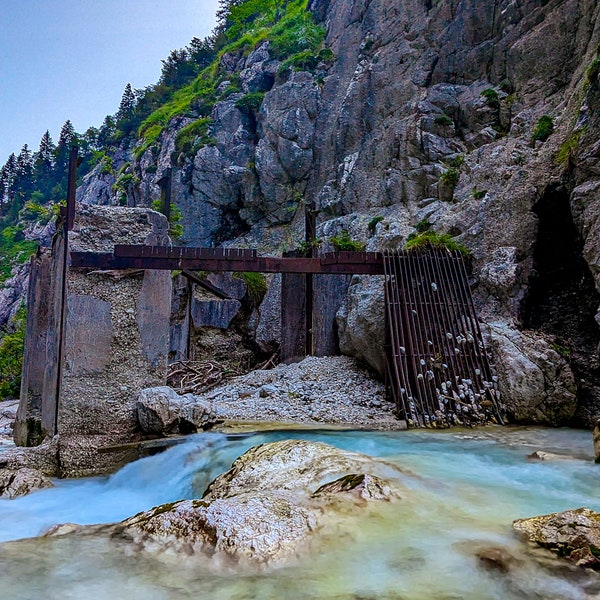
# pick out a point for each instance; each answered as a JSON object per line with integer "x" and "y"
{"x": 596, "y": 440}
{"x": 541, "y": 455}
{"x": 246, "y": 528}
{"x": 301, "y": 467}
{"x": 20, "y": 482}
{"x": 572, "y": 534}
{"x": 162, "y": 411}
{"x": 495, "y": 559}
{"x": 267, "y": 506}
{"x": 361, "y": 487}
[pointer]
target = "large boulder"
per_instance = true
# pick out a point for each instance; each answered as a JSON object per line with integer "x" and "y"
{"x": 572, "y": 534}
{"x": 296, "y": 466}
{"x": 20, "y": 482}
{"x": 161, "y": 411}
{"x": 264, "y": 510}
{"x": 536, "y": 382}
{"x": 361, "y": 321}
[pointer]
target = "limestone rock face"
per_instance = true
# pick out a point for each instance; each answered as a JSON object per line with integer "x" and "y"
{"x": 162, "y": 411}
{"x": 415, "y": 89}
{"x": 21, "y": 482}
{"x": 13, "y": 291}
{"x": 572, "y": 534}
{"x": 536, "y": 382}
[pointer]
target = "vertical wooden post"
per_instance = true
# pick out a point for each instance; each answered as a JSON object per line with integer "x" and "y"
{"x": 309, "y": 238}
{"x": 74, "y": 162}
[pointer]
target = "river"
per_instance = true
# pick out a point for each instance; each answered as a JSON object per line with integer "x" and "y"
{"x": 469, "y": 487}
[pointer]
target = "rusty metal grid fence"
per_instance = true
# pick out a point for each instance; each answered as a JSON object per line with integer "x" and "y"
{"x": 437, "y": 368}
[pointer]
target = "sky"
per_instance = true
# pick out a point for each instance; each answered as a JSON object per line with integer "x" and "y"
{"x": 71, "y": 59}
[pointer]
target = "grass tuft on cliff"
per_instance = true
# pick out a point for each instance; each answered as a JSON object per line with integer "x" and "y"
{"x": 292, "y": 34}
{"x": 428, "y": 239}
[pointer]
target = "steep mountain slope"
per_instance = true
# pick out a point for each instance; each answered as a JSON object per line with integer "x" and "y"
{"x": 477, "y": 118}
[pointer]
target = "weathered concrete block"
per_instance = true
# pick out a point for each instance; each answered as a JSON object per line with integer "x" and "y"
{"x": 214, "y": 313}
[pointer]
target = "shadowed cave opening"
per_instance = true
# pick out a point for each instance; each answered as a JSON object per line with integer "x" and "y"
{"x": 562, "y": 300}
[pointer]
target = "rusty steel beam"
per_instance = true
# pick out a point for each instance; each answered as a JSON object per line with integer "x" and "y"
{"x": 209, "y": 287}
{"x": 226, "y": 259}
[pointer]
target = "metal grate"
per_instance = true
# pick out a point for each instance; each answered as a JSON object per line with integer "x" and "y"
{"x": 438, "y": 371}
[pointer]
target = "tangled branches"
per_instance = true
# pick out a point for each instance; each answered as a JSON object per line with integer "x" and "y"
{"x": 195, "y": 377}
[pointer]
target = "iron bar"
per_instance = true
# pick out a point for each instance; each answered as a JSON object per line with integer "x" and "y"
{"x": 431, "y": 316}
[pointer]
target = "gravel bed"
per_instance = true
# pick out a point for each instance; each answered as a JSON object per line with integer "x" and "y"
{"x": 330, "y": 390}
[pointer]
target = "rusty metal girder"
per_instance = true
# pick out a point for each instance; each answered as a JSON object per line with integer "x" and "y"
{"x": 227, "y": 259}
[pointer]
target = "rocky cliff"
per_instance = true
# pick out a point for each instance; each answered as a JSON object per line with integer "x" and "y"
{"x": 476, "y": 117}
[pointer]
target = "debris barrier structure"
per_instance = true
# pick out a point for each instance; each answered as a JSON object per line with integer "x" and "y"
{"x": 437, "y": 368}
{"x": 98, "y": 326}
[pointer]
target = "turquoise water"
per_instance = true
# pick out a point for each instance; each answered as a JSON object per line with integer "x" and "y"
{"x": 469, "y": 487}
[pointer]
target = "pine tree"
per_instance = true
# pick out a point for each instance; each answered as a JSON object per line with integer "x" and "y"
{"x": 177, "y": 69}
{"x": 107, "y": 132}
{"x": 9, "y": 175}
{"x": 24, "y": 182}
{"x": 224, "y": 11}
{"x": 127, "y": 105}
{"x": 201, "y": 52}
{"x": 43, "y": 165}
{"x": 67, "y": 135}
{"x": 66, "y": 139}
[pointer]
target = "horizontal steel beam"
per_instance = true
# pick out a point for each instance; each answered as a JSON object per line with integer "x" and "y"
{"x": 172, "y": 259}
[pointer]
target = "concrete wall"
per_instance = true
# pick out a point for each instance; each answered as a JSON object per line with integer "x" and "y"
{"x": 116, "y": 340}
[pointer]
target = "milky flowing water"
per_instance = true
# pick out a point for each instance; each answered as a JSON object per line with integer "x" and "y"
{"x": 468, "y": 488}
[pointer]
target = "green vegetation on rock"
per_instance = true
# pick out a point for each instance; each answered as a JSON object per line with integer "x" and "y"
{"x": 256, "y": 286}
{"x": 287, "y": 26}
{"x": 372, "y": 226}
{"x": 175, "y": 226}
{"x": 343, "y": 242}
{"x": 450, "y": 176}
{"x": 11, "y": 356}
{"x": 430, "y": 239}
{"x": 192, "y": 137}
{"x": 250, "y": 103}
{"x": 568, "y": 148}
{"x": 443, "y": 120}
{"x": 492, "y": 98}
{"x": 543, "y": 129}
{"x": 14, "y": 249}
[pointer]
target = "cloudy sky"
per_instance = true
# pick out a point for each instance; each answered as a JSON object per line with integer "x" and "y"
{"x": 71, "y": 59}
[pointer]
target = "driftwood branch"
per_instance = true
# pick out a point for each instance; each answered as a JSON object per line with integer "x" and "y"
{"x": 195, "y": 377}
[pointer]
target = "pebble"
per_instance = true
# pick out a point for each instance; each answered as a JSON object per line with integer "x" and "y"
{"x": 327, "y": 390}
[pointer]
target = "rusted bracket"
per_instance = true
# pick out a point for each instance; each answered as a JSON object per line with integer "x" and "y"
{"x": 209, "y": 287}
